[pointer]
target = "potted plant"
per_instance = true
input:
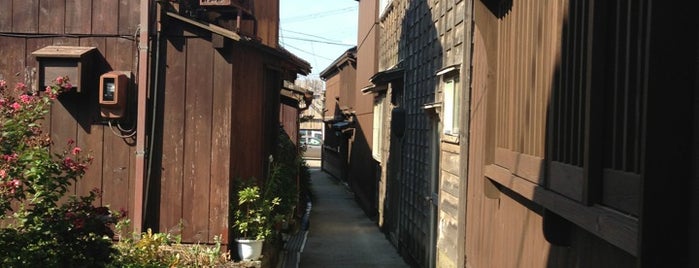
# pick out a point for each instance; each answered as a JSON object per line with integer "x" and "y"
{"x": 253, "y": 221}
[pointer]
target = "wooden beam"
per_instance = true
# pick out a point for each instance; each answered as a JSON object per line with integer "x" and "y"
{"x": 616, "y": 228}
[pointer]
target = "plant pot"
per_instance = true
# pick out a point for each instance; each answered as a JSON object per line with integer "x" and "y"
{"x": 249, "y": 249}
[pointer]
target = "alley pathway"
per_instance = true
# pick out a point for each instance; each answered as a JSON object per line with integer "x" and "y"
{"x": 340, "y": 234}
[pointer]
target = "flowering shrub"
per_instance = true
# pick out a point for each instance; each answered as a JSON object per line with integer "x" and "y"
{"x": 38, "y": 230}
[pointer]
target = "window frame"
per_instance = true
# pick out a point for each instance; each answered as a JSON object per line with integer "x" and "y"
{"x": 378, "y": 129}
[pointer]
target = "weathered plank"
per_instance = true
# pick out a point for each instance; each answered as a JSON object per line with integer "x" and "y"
{"x": 25, "y": 16}
{"x": 129, "y": 13}
{"x": 105, "y": 17}
{"x": 52, "y": 16}
{"x": 78, "y": 18}
{"x": 5, "y": 16}
{"x": 247, "y": 135}
{"x": 12, "y": 62}
{"x": 221, "y": 145}
{"x": 117, "y": 178}
{"x": 171, "y": 201}
{"x": 91, "y": 137}
{"x": 197, "y": 143}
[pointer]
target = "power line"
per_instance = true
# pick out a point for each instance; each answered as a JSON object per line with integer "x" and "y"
{"x": 304, "y": 51}
{"x": 316, "y": 36}
{"x": 317, "y": 15}
{"x": 318, "y": 41}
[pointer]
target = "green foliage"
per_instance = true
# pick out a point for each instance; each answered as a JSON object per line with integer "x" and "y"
{"x": 305, "y": 185}
{"x": 144, "y": 252}
{"x": 255, "y": 217}
{"x": 154, "y": 250}
{"x": 75, "y": 234}
{"x": 283, "y": 175}
{"x": 40, "y": 231}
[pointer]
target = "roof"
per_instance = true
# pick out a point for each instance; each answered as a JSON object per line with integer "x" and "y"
{"x": 299, "y": 65}
{"x": 350, "y": 56}
{"x": 386, "y": 76}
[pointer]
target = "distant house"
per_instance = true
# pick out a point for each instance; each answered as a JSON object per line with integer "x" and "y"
{"x": 312, "y": 118}
{"x": 340, "y": 77}
{"x": 203, "y": 100}
{"x": 295, "y": 101}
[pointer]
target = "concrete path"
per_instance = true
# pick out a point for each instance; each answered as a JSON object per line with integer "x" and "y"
{"x": 340, "y": 234}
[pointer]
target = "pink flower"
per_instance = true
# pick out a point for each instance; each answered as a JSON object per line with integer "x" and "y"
{"x": 10, "y": 157}
{"x": 3, "y": 101}
{"x": 76, "y": 150}
{"x": 16, "y": 106}
{"x": 67, "y": 86}
{"x": 59, "y": 80}
{"x": 52, "y": 95}
{"x": 25, "y": 98}
{"x": 20, "y": 86}
{"x": 3, "y": 84}
{"x": 16, "y": 183}
{"x": 3, "y": 173}
{"x": 68, "y": 162}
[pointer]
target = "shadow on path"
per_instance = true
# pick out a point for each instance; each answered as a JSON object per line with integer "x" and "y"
{"x": 340, "y": 234}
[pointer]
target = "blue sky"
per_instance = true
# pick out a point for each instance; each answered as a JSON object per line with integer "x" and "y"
{"x": 318, "y": 31}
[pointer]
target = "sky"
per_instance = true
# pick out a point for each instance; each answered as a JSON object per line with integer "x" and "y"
{"x": 318, "y": 31}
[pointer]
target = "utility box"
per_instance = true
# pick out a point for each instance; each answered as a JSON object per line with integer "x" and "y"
{"x": 70, "y": 61}
{"x": 112, "y": 94}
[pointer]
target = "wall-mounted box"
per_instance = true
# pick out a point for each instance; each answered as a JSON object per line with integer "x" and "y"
{"x": 71, "y": 61}
{"x": 112, "y": 94}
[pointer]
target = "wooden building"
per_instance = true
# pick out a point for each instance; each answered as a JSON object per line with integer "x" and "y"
{"x": 203, "y": 103}
{"x": 417, "y": 107}
{"x": 340, "y": 78}
{"x": 571, "y": 140}
{"x": 579, "y": 156}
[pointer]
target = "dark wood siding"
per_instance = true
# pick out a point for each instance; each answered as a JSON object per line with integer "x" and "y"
{"x": 171, "y": 180}
{"x": 23, "y": 25}
{"x": 539, "y": 103}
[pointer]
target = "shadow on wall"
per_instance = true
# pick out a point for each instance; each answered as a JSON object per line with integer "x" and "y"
{"x": 596, "y": 147}
{"x": 420, "y": 54}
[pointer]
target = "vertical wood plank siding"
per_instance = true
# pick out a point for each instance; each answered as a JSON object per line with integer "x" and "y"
{"x": 78, "y": 16}
{"x": 208, "y": 136}
{"x": 624, "y": 83}
{"x": 569, "y": 80}
{"x": 72, "y": 116}
{"x": 172, "y": 178}
{"x": 197, "y": 139}
{"x": 220, "y": 146}
{"x": 527, "y": 60}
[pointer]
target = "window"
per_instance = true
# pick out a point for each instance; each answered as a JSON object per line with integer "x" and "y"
{"x": 383, "y": 4}
{"x": 378, "y": 127}
{"x": 451, "y": 104}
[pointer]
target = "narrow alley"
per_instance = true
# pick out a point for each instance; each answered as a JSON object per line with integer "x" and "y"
{"x": 340, "y": 234}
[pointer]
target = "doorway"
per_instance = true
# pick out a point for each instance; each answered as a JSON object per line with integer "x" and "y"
{"x": 432, "y": 197}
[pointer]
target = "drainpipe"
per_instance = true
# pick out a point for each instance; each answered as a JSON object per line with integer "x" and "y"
{"x": 138, "y": 212}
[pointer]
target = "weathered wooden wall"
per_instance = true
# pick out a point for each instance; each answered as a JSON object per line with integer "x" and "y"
{"x": 556, "y": 127}
{"x": 220, "y": 119}
{"x": 267, "y": 16}
{"x": 26, "y": 26}
{"x": 339, "y": 94}
{"x": 422, "y": 38}
{"x": 289, "y": 118}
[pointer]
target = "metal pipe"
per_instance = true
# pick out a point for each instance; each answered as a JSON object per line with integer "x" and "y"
{"x": 138, "y": 212}
{"x": 154, "y": 112}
